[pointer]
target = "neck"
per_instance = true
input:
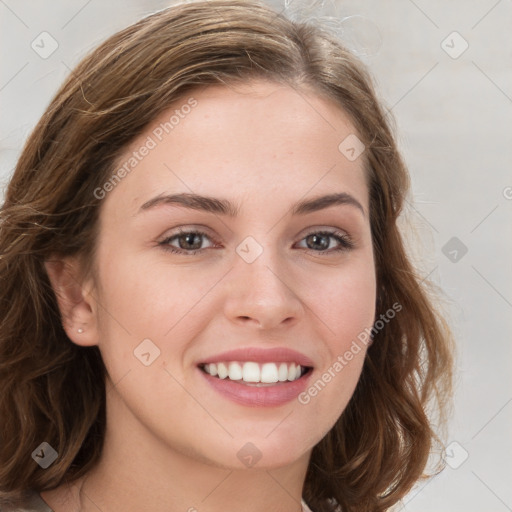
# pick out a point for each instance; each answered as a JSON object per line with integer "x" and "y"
{"x": 138, "y": 471}
{"x": 189, "y": 485}
{"x": 255, "y": 491}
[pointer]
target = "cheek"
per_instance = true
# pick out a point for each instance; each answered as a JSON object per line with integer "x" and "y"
{"x": 138, "y": 294}
{"x": 347, "y": 311}
{"x": 142, "y": 301}
{"x": 347, "y": 304}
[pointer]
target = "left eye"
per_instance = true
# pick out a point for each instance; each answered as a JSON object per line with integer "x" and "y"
{"x": 189, "y": 242}
{"x": 321, "y": 238}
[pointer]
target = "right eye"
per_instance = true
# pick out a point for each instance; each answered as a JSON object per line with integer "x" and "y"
{"x": 188, "y": 242}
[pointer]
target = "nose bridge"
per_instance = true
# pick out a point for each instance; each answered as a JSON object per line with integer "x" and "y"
{"x": 260, "y": 289}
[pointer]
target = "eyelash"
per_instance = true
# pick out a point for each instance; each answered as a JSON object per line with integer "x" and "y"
{"x": 344, "y": 240}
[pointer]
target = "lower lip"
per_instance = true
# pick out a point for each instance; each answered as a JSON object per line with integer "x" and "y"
{"x": 253, "y": 396}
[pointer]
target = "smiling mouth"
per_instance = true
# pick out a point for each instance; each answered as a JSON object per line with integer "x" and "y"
{"x": 256, "y": 374}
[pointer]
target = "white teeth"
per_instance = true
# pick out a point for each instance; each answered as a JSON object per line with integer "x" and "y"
{"x": 266, "y": 373}
{"x": 291, "y": 372}
{"x": 211, "y": 369}
{"x": 222, "y": 369}
{"x": 251, "y": 372}
{"x": 269, "y": 373}
{"x": 235, "y": 371}
{"x": 282, "y": 372}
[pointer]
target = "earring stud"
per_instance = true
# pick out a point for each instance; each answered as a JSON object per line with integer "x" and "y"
{"x": 80, "y": 330}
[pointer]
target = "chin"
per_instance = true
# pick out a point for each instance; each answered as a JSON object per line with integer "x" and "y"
{"x": 270, "y": 450}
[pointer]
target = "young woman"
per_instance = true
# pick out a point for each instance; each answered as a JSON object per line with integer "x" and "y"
{"x": 206, "y": 303}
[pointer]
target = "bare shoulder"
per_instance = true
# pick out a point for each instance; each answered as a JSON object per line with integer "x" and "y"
{"x": 31, "y": 503}
{"x": 61, "y": 499}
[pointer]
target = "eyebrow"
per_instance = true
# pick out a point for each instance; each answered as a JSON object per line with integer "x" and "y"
{"x": 225, "y": 207}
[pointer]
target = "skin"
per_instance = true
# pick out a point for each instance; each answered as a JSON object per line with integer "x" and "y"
{"x": 172, "y": 440}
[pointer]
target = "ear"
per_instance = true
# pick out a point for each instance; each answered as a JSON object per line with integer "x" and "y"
{"x": 77, "y": 306}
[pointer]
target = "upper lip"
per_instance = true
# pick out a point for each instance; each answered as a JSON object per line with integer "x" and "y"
{"x": 261, "y": 355}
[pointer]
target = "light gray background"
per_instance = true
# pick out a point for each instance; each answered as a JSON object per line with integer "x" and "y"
{"x": 454, "y": 120}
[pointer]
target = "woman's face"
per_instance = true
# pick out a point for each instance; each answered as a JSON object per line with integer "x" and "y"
{"x": 253, "y": 289}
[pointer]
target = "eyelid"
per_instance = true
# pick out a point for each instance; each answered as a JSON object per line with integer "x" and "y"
{"x": 183, "y": 230}
{"x": 186, "y": 231}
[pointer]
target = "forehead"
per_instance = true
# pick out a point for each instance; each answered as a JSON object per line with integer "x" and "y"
{"x": 239, "y": 141}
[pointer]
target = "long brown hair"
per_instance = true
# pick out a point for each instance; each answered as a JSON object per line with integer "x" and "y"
{"x": 54, "y": 390}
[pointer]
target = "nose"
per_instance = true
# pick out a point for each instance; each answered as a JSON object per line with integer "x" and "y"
{"x": 262, "y": 293}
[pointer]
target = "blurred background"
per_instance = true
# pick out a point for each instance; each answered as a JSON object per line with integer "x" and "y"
{"x": 443, "y": 70}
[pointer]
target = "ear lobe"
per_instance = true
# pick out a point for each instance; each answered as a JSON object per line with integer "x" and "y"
{"x": 76, "y": 304}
